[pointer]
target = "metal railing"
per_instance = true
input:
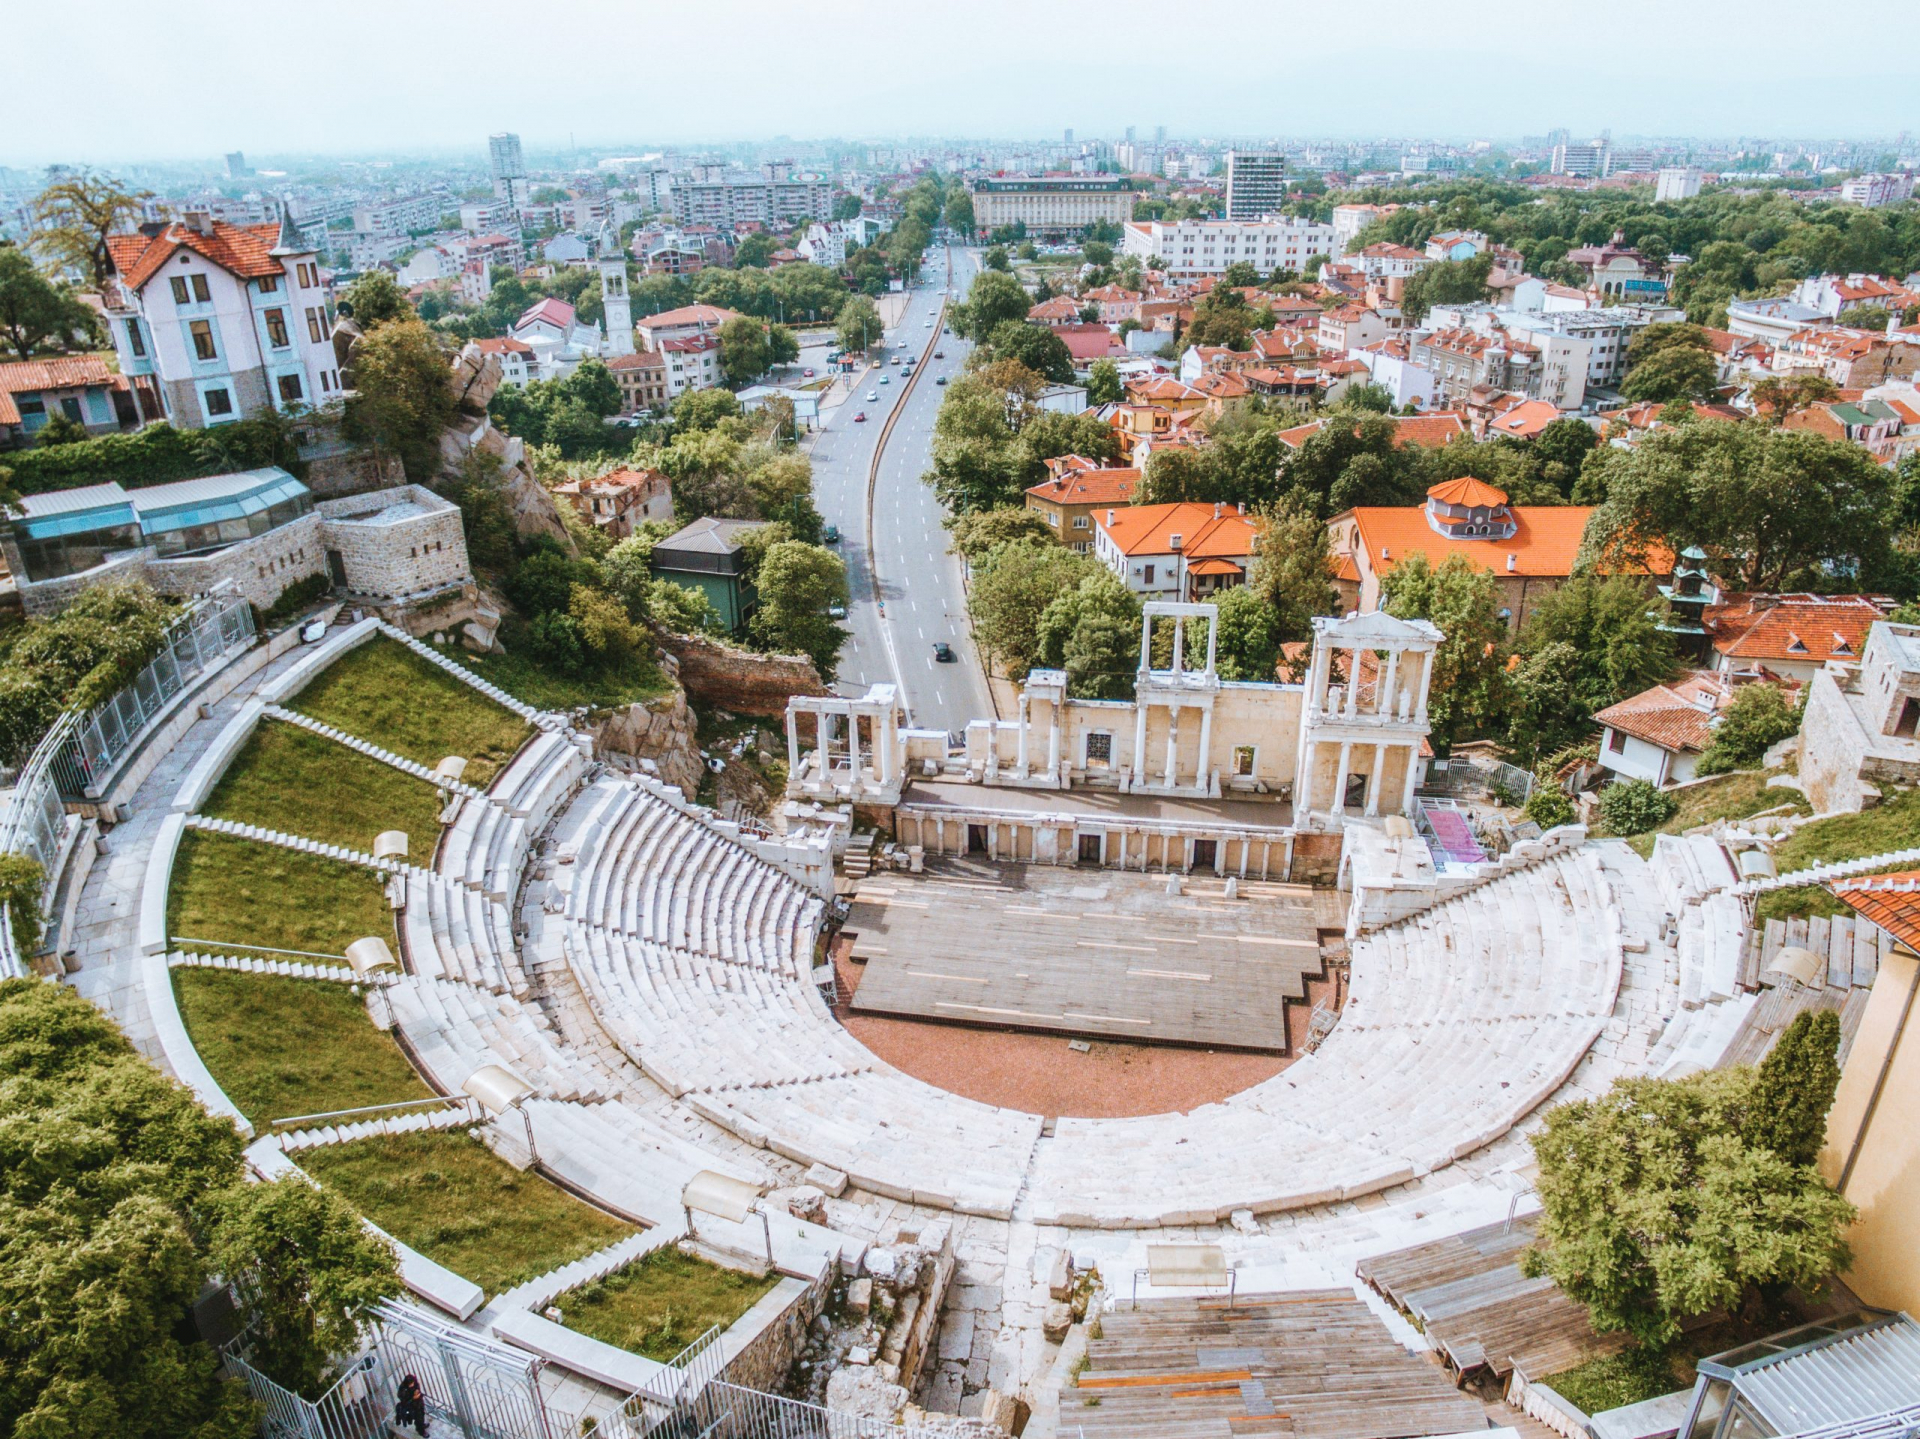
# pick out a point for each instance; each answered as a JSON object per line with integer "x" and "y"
{"x": 469, "y": 1386}
{"x": 671, "y": 1394}
{"x": 727, "y": 1411}
{"x": 79, "y": 752}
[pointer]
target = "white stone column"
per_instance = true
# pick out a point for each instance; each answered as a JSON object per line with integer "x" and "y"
{"x": 1179, "y": 644}
{"x": 1213, "y": 634}
{"x": 1383, "y": 700}
{"x": 1206, "y": 739}
{"x": 1053, "y": 739}
{"x": 1173, "y": 742}
{"x": 1339, "y": 805}
{"x": 1139, "y": 741}
{"x": 1413, "y": 773}
{"x": 887, "y": 741}
{"x": 1303, "y": 789}
{"x": 793, "y": 743}
{"x": 1426, "y": 680}
{"x": 1353, "y": 681}
{"x": 853, "y": 745}
{"x": 1020, "y": 762}
{"x": 1377, "y": 780}
{"x": 820, "y": 745}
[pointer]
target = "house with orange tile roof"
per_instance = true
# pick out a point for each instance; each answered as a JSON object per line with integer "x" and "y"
{"x": 1075, "y": 491}
{"x": 215, "y": 322}
{"x": 1529, "y": 549}
{"x": 1350, "y": 327}
{"x": 617, "y": 501}
{"x": 1660, "y": 733}
{"x": 1060, "y": 310}
{"x": 1524, "y": 421}
{"x": 1173, "y": 395}
{"x": 516, "y": 358}
{"x": 84, "y": 388}
{"x": 1789, "y": 636}
{"x": 682, "y": 323}
{"x": 1185, "y": 552}
{"x": 1431, "y": 430}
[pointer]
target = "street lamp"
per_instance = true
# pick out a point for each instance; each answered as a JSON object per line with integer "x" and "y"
{"x": 498, "y": 1089}
{"x": 725, "y": 1197}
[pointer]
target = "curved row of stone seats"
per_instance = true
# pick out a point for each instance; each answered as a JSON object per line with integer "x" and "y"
{"x": 454, "y": 1029}
{"x": 1698, "y": 1039}
{"x": 1689, "y": 867}
{"x": 1459, "y": 1024}
{"x": 486, "y": 846}
{"x": 452, "y": 932}
{"x": 653, "y": 870}
{"x": 1712, "y": 943}
{"x": 762, "y": 1056}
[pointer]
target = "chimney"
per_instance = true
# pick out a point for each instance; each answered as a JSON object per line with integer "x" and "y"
{"x": 1109, "y": 518}
{"x": 201, "y": 220}
{"x": 1173, "y": 541}
{"x": 1513, "y": 563}
{"x": 1216, "y": 509}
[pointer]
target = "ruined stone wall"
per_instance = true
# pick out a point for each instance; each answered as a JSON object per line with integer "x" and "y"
{"x": 739, "y": 681}
{"x": 353, "y": 471}
{"x": 660, "y": 730}
{"x": 769, "y": 1356}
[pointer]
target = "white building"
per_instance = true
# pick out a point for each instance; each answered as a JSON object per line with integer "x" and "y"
{"x": 1350, "y": 220}
{"x": 225, "y": 320}
{"x": 1256, "y": 183}
{"x": 1677, "y": 182}
{"x": 509, "y": 169}
{"x": 1206, "y": 247}
{"x": 825, "y": 243}
{"x": 484, "y": 217}
{"x": 404, "y": 215}
{"x": 1607, "y": 333}
{"x": 1392, "y": 370}
{"x": 1874, "y": 191}
{"x": 693, "y": 363}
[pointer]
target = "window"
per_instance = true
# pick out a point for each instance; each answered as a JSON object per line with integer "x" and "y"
{"x": 136, "y": 342}
{"x": 1099, "y": 748}
{"x": 1243, "y": 761}
{"x": 269, "y": 284}
{"x": 1616, "y": 742}
{"x": 1080, "y": 522}
{"x": 277, "y": 329}
{"x": 200, "y": 290}
{"x": 179, "y": 283}
{"x": 291, "y": 392}
{"x": 202, "y": 333}
{"x": 1148, "y": 574}
{"x": 219, "y": 402}
{"x": 314, "y": 330}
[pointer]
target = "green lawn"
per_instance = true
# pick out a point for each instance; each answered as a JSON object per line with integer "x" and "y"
{"x": 298, "y": 782}
{"x": 282, "y": 1047}
{"x": 521, "y": 672}
{"x": 241, "y": 892}
{"x": 661, "y": 1303}
{"x": 385, "y": 693}
{"x": 1893, "y": 824}
{"x": 450, "y": 1197}
{"x": 1611, "y": 1380}
{"x": 1730, "y": 796}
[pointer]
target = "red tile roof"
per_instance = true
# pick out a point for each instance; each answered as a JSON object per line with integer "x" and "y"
{"x": 1674, "y": 717}
{"x": 1431, "y": 430}
{"x": 1089, "y": 487}
{"x": 1468, "y": 491}
{"x": 1798, "y": 627}
{"x": 60, "y": 372}
{"x": 1204, "y": 534}
{"x": 243, "y": 250}
{"x": 1545, "y": 542}
{"x": 706, "y": 316}
{"x": 1891, "y": 901}
{"x": 1527, "y": 420}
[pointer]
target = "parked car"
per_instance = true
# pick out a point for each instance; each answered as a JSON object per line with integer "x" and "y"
{"x": 861, "y": 418}
{"x": 808, "y": 372}
{"x": 943, "y": 652}
{"x": 831, "y": 534}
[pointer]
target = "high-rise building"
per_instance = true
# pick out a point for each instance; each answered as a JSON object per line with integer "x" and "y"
{"x": 1129, "y": 134}
{"x": 509, "y": 169}
{"x": 237, "y": 167}
{"x": 1256, "y": 183}
{"x": 1587, "y": 162}
{"x": 1160, "y": 135}
{"x": 1069, "y": 134}
{"x": 1677, "y": 182}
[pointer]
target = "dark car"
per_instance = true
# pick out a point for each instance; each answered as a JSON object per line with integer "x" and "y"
{"x": 941, "y": 381}
{"x": 943, "y": 652}
{"x": 939, "y": 354}
{"x": 831, "y": 534}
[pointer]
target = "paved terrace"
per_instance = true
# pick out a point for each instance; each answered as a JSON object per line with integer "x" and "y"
{"x": 1086, "y": 951}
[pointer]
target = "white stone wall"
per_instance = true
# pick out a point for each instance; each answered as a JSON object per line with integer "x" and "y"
{"x": 260, "y": 568}
{"x": 401, "y": 558}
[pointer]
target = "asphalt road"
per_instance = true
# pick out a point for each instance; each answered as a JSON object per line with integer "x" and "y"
{"x": 917, "y": 600}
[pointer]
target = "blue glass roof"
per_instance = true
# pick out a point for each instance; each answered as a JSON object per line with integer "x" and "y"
{"x": 157, "y": 508}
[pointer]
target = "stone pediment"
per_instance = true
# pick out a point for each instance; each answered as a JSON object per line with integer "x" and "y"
{"x": 1376, "y": 630}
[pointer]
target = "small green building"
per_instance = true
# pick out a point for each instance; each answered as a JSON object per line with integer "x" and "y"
{"x": 706, "y": 556}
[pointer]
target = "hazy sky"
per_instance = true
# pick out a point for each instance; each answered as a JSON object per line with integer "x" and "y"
{"x": 199, "y": 77}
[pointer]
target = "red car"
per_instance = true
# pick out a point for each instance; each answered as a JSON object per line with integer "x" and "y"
{"x": 861, "y": 418}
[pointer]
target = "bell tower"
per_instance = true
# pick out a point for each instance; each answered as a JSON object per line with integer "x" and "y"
{"x": 611, "y": 262}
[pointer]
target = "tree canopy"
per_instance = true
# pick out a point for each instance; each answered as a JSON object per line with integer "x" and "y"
{"x": 37, "y": 315}
{"x": 1460, "y": 597}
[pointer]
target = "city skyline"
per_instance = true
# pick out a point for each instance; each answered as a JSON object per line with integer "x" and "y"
{"x": 1717, "y": 72}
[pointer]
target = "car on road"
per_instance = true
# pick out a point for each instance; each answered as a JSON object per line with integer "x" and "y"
{"x": 941, "y": 380}
{"x": 861, "y": 418}
{"x": 831, "y": 534}
{"x": 939, "y": 354}
{"x": 943, "y": 652}
{"x": 886, "y": 379}
{"x": 894, "y": 361}
{"x": 873, "y": 396}
{"x": 808, "y": 372}
{"x": 836, "y": 611}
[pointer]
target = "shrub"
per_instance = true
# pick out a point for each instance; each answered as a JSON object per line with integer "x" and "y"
{"x": 76, "y": 659}
{"x": 21, "y": 880}
{"x": 295, "y": 598}
{"x": 1636, "y": 806}
{"x": 545, "y": 581}
{"x": 1548, "y": 807}
{"x": 157, "y": 454}
{"x": 1758, "y": 718}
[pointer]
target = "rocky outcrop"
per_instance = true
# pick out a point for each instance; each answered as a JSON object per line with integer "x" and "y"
{"x": 660, "y": 730}
{"x": 739, "y": 680}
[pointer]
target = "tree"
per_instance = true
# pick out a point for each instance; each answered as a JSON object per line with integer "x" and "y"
{"x": 683, "y": 610}
{"x": 628, "y": 566}
{"x": 846, "y": 207}
{"x": 744, "y": 354}
{"x": 36, "y": 314}
{"x": 374, "y": 299}
{"x": 1758, "y": 718}
{"x": 76, "y": 659}
{"x": 1222, "y": 317}
{"x": 1240, "y": 274}
{"x": 1794, "y": 1088}
{"x": 1465, "y": 689}
{"x": 1034, "y": 346}
{"x": 74, "y": 217}
{"x": 975, "y": 534}
{"x": 1589, "y": 644}
{"x": 1092, "y": 631}
{"x": 402, "y": 398}
{"x": 1293, "y": 571}
{"x": 996, "y": 259}
{"x": 1781, "y": 397}
{"x": 309, "y": 1272}
{"x": 993, "y": 298}
{"x": 783, "y": 347}
{"x": 1659, "y": 1205}
{"x": 1248, "y": 643}
{"x": 754, "y": 251}
{"x": 1561, "y": 448}
{"x": 695, "y": 411}
{"x": 959, "y": 212}
{"x": 1097, "y": 252}
{"x": 1773, "y": 509}
{"x": 797, "y": 584}
{"x": 858, "y": 324}
{"x": 1545, "y": 708}
{"x": 1012, "y": 587}
{"x": 1103, "y": 383}
{"x": 1450, "y": 282}
{"x": 1678, "y": 372}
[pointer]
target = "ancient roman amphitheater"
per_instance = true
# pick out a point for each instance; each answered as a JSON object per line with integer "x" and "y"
{"x": 649, "y": 978}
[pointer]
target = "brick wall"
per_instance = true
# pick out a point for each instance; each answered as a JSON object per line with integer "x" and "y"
{"x": 394, "y": 559}
{"x": 740, "y": 680}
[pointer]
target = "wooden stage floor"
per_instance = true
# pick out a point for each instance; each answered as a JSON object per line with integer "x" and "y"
{"x": 1086, "y": 951}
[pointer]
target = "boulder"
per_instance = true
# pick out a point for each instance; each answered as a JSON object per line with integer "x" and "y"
{"x": 857, "y": 1389}
{"x": 1057, "y": 1321}
{"x": 660, "y": 731}
{"x": 474, "y": 379}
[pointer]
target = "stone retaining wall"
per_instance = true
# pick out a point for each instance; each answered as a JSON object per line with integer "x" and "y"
{"x": 739, "y": 681}
{"x": 765, "y": 1360}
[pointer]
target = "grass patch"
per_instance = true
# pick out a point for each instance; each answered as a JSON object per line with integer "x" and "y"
{"x": 521, "y": 670}
{"x": 1730, "y": 796}
{"x": 662, "y": 1302}
{"x": 281, "y": 1047}
{"x": 244, "y": 893}
{"x": 1893, "y": 824}
{"x": 386, "y": 693}
{"x": 1611, "y": 1380}
{"x": 296, "y": 781}
{"x": 450, "y": 1197}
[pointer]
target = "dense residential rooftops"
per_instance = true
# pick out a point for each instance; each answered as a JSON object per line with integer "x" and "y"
{"x": 1794, "y": 627}
{"x": 1431, "y": 430}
